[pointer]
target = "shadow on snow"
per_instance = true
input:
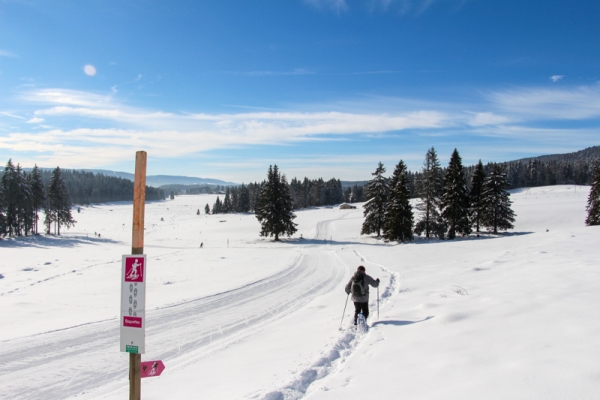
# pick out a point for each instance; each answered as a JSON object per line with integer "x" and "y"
{"x": 44, "y": 241}
{"x": 400, "y": 323}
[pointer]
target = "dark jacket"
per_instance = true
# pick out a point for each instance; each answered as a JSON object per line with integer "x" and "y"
{"x": 368, "y": 281}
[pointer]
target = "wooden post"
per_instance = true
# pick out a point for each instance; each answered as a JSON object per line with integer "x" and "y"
{"x": 137, "y": 247}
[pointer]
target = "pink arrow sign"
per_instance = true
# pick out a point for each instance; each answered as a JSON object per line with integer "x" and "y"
{"x": 152, "y": 368}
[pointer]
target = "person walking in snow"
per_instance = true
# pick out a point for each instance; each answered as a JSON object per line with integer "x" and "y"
{"x": 359, "y": 287}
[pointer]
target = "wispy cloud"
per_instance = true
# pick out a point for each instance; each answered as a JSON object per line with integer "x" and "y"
{"x": 174, "y": 135}
{"x": 556, "y": 78}
{"x": 66, "y": 96}
{"x": 542, "y": 103}
{"x": 334, "y": 5}
{"x": 114, "y": 129}
{"x": 486, "y": 119}
{"x": 410, "y": 7}
{"x": 297, "y": 71}
{"x": 4, "y": 53}
{"x": 8, "y": 114}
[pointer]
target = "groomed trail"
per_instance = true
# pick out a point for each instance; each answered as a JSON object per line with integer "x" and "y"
{"x": 81, "y": 358}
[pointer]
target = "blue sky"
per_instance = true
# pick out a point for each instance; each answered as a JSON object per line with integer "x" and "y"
{"x": 323, "y": 88}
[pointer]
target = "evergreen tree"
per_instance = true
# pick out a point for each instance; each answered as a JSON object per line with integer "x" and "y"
{"x": 475, "y": 196}
{"x": 217, "y": 207}
{"x": 430, "y": 191}
{"x": 227, "y": 206}
{"x": 377, "y": 193}
{"x": 244, "y": 199}
{"x": 25, "y": 203}
{"x": 347, "y": 194}
{"x": 207, "y": 209}
{"x": 2, "y": 216}
{"x": 58, "y": 210}
{"x": 497, "y": 213}
{"x": 37, "y": 194}
{"x": 10, "y": 186}
{"x": 455, "y": 201}
{"x": 275, "y": 207}
{"x": 593, "y": 205}
{"x": 398, "y": 222}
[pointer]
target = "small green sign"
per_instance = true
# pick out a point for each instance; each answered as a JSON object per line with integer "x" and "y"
{"x": 131, "y": 349}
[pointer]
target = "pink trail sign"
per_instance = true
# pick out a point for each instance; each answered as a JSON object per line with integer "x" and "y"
{"x": 134, "y": 269}
{"x": 152, "y": 368}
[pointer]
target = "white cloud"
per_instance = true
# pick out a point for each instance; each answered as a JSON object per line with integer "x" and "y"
{"x": 297, "y": 71}
{"x": 66, "y": 96}
{"x": 486, "y": 118}
{"x": 335, "y": 5}
{"x": 556, "y": 78}
{"x": 114, "y": 130}
{"x": 551, "y": 104}
{"x": 4, "y": 53}
{"x": 172, "y": 135}
{"x": 8, "y": 114}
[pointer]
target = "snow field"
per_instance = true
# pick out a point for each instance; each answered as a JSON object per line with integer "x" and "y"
{"x": 493, "y": 318}
{"x": 506, "y": 316}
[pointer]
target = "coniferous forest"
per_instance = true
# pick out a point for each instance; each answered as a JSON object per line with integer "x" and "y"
{"x": 453, "y": 200}
{"x": 23, "y": 194}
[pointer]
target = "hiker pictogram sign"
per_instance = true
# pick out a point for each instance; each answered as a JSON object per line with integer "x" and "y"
{"x": 152, "y": 368}
{"x": 133, "y": 303}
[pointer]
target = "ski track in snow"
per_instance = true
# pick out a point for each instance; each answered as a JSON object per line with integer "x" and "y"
{"x": 184, "y": 332}
{"x": 342, "y": 348}
{"x": 50, "y": 278}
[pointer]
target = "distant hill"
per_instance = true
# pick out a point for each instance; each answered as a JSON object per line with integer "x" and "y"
{"x": 158, "y": 180}
{"x": 590, "y": 153}
{"x": 346, "y": 184}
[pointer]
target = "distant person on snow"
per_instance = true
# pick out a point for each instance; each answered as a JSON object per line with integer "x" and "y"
{"x": 359, "y": 287}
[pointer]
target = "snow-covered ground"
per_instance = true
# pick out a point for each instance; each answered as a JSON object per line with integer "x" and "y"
{"x": 490, "y": 317}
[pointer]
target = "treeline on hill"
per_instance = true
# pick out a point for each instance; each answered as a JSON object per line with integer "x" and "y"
{"x": 193, "y": 189}
{"x": 560, "y": 169}
{"x": 87, "y": 187}
{"x": 23, "y": 194}
{"x": 304, "y": 193}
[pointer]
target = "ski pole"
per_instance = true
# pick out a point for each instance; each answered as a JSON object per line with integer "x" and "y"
{"x": 344, "y": 311}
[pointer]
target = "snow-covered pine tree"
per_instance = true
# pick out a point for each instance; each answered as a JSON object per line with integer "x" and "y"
{"x": 235, "y": 199}
{"x": 497, "y": 213}
{"x": 217, "y": 207}
{"x": 58, "y": 210}
{"x": 10, "y": 186}
{"x": 475, "y": 199}
{"x": 455, "y": 201}
{"x": 37, "y": 194}
{"x": 227, "y": 206}
{"x": 377, "y": 192}
{"x": 244, "y": 199}
{"x": 2, "y": 216}
{"x": 206, "y": 209}
{"x": 275, "y": 207}
{"x": 25, "y": 203}
{"x": 347, "y": 194}
{"x": 593, "y": 205}
{"x": 398, "y": 222}
{"x": 430, "y": 189}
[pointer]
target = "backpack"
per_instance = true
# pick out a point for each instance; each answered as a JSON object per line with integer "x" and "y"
{"x": 358, "y": 285}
